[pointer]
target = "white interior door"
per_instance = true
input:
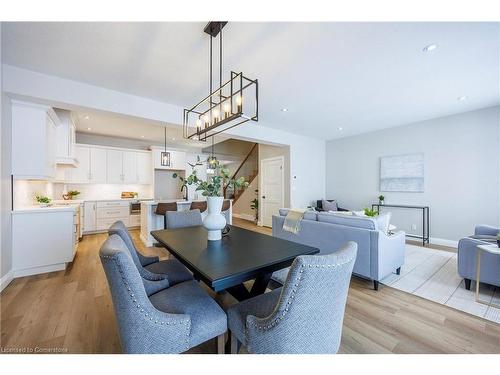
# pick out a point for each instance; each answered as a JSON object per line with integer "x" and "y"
{"x": 271, "y": 188}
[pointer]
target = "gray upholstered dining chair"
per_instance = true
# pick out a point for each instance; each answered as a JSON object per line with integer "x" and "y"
{"x": 151, "y": 268}
{"x": 153, "y": 319}
{"x": 183, "y": 219}
{"x": 305, "y": 315}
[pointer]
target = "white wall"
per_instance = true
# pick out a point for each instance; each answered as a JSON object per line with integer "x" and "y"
{"x": 5, "y": 188}
{"x": 462, "y": 168}
{"x": 307, "y": 155}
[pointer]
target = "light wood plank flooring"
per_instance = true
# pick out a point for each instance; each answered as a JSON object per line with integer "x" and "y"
{"x": 72, "y": 309}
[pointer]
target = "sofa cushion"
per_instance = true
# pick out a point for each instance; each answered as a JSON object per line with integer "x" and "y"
{"x": 352, "y": 221}
{"x": 308, "y": 215}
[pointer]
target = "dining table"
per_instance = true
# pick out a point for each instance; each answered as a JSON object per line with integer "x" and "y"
{"x": 241, "y": 255}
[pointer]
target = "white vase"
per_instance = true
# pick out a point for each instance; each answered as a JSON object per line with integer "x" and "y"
{"x": 214, "y": 222}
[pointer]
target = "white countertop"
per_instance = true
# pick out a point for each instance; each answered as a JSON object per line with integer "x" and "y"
{"x": 37, "y": 209}
{"x": 78, "y": 201}
{"x": 178, "y": 201}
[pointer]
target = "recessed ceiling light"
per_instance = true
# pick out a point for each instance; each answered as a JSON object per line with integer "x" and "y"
{"x": 142, "y": 136}
{"x": 173, "y": 139}
{"x": 86, "y": 117}
{"x": 89, "y": 128}
{"x": 339, "y": 128}
{"x": 430, "y": 48}
{"x": 284, "y": 109}
{"x": 462, "y": 98}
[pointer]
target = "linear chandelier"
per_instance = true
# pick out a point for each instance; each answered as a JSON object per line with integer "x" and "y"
{"x": 234, "y": 102}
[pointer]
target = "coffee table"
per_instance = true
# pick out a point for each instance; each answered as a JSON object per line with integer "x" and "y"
{"x": 240, "y": 256}
{"x": 492, "y": 249}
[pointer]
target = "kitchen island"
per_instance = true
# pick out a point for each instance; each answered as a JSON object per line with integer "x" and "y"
{"x": 150, "y": 221}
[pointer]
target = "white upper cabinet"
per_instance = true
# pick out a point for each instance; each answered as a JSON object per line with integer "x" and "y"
{"x": 33, "y": 141}
{"x": 129, "y": 167}
{"x": 65, "y": 139}
{"x": 92, "y": 165}
{"x": 144, "y": 168}
{"x": 114, "y": 167}
{"x": 177, "y": 159}
{"x": 98, "y": 171}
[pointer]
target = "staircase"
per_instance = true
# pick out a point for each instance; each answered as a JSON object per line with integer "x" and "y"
{"x": 249, "y": 169}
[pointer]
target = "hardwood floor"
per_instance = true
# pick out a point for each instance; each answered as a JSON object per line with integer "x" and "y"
{"x": 72, "y": 310}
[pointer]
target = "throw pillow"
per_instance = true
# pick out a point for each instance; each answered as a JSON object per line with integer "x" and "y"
{"x": 329, "y": 206}
{"x": 383, "y": 222}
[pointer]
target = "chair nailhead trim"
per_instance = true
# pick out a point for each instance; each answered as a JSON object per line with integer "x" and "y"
{"x": 186, "y": 323}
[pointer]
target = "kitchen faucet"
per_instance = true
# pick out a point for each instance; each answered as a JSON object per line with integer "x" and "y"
{"x": 186, "y": 195}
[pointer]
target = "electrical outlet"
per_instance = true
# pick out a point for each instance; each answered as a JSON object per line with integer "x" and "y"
{"x": 414, "y": 227}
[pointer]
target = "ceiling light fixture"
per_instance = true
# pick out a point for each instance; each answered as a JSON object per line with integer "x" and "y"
{"x": 233, "y": 103}
{"x": 340, "y": 128}
{"x": 430, "y": 48}
{"x": 284, "y": 109}
{"x": 86, "y": 117}
{"x": 212, "y": 162}
{"x": 462, "y": 98}
{"x": 142, "y": 136}
{"x": 165, "y": 156}
{"x": 89, "y": 129}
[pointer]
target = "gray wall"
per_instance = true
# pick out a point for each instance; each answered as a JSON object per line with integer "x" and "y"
{"x": 5, "y": 188}
{"x": 462, "y": 171}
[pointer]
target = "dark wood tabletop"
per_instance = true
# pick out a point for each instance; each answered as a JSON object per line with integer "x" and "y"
{"x": 240, "y": 256}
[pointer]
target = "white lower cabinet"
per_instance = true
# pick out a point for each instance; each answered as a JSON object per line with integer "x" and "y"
{"x": 42, "y": 240}
{"x": 100, "y": 215}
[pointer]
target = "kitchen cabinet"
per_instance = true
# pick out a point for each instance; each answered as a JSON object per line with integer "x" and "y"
{"x": 128, "y": 167}
{"x": 92, "y": 165}
{"x": 43, "y": 240}
{"x": 34, "y": 129}
{"x": 65, "y": 139}
{"x": 144, "y": 168}
{"x": 177, "y": 160}
{"x": 89, "y": 216}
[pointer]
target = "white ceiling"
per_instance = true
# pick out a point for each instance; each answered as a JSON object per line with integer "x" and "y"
{"x": 358, "y": 76}
{"x": 94, "y": 122}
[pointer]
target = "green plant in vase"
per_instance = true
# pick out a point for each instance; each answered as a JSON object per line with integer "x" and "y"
{"x": 212, "y": 188}
{"x": 370, "y": 213}
{"x": 42, "y": 200}
{"x": 381, "y": 199}
{"x": 254, "y": 205}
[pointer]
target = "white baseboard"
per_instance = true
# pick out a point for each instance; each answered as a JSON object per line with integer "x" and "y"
{"x": 6, "y": 279}
{"x": 244, "y": 216}
{"x": 443, "y": 242}
{"x": 37, "y": 270}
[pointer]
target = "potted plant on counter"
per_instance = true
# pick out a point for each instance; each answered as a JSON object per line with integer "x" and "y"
{"x": 254, "y": 205}
{"x": 70, "y": 195}
{"x": 381, "y": 199}
{"x": 42, "y": 200}
{"x": 212, "y": 188}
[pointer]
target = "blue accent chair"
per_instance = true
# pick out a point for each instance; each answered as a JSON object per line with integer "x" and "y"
{"x": 467, "y": 256}
{"x": 151, "y": 268}
{"x": 183, "y": 219}
{"x": 305, "y": 315}
{"x": 155, "y": 320}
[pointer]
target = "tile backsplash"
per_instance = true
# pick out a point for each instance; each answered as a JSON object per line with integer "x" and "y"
{"x": 103, "y": 191}
{"x": 25, "y": 191}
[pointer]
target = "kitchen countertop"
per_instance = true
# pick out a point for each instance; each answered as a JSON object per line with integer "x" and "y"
{"x": 178, "y": 201}
{"x": 36, "y": 209}
{"x": 78, "y": 201}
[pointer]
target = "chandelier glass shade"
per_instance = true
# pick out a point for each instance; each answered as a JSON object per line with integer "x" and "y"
{"x": 234, "y": 102}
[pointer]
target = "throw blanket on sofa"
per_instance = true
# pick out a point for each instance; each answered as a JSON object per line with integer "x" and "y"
{"x": 293, "y": 219}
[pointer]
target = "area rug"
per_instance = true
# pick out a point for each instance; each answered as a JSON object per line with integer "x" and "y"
{"x": 432, "y": 274}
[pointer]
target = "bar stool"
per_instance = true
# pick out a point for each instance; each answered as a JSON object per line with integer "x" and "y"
{"x": 162, "y": 208}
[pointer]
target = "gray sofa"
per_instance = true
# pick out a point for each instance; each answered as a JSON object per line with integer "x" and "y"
{"x": 378, "y": 253}
{"x": 490, "y": 263}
